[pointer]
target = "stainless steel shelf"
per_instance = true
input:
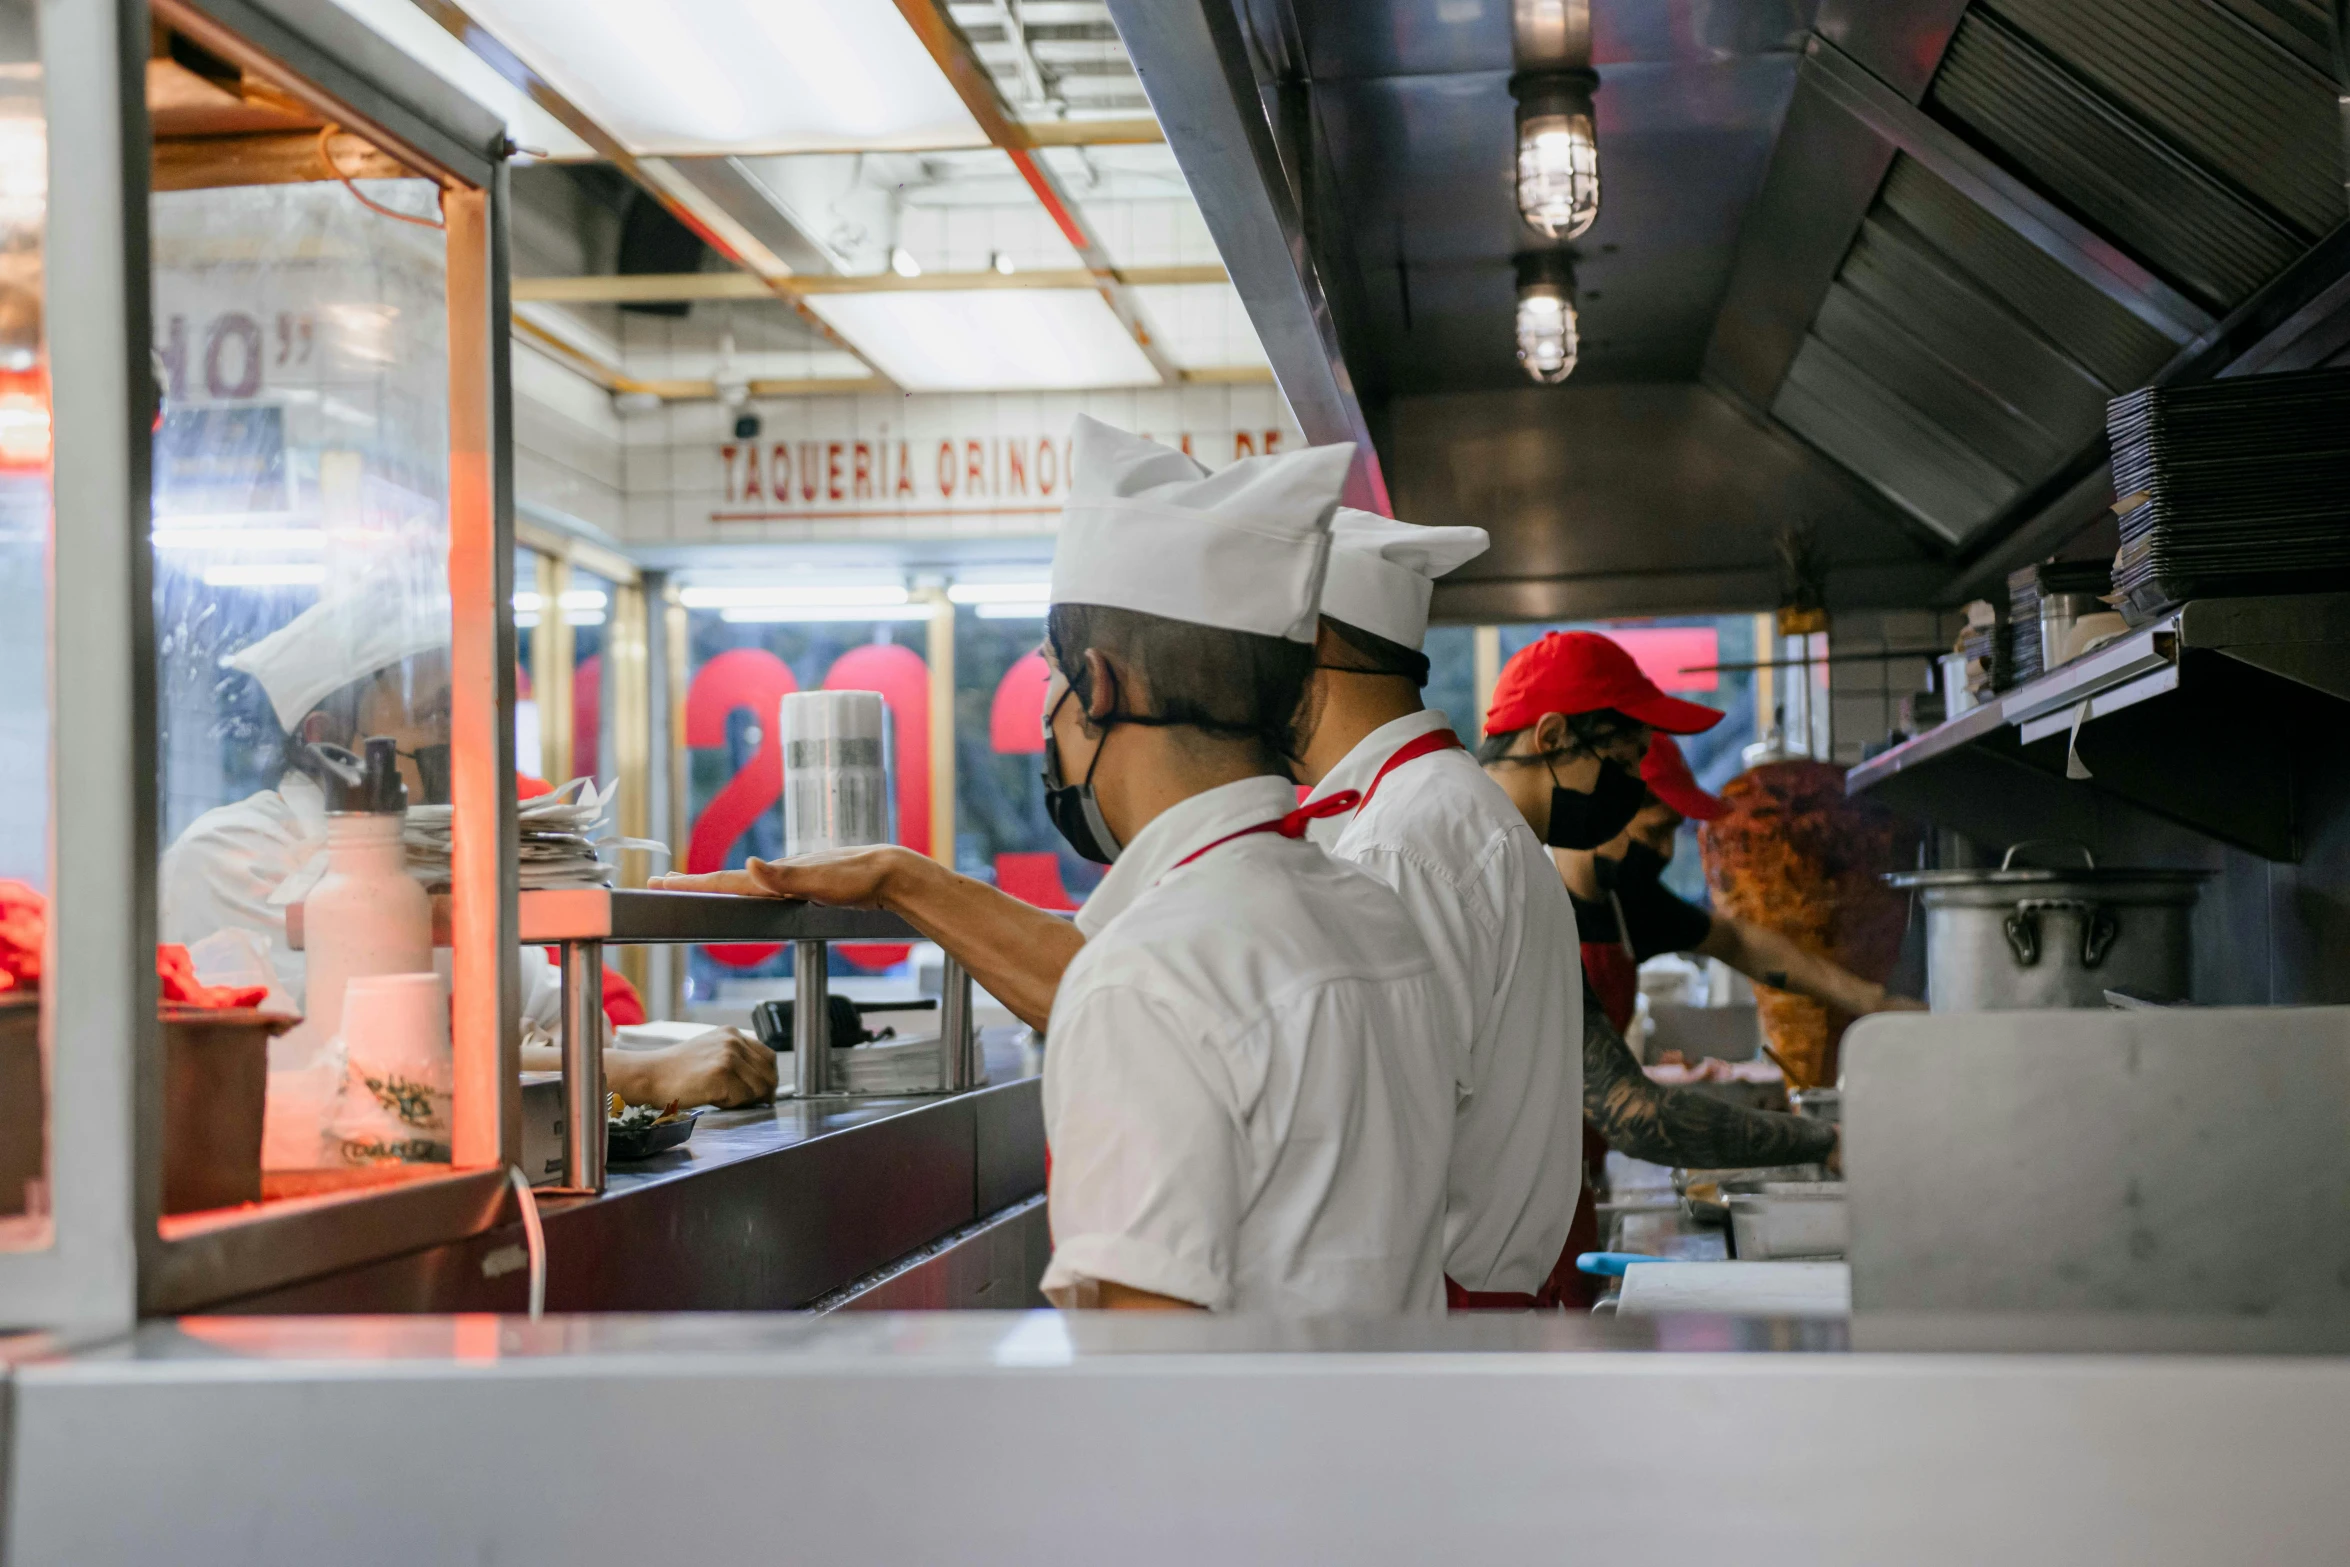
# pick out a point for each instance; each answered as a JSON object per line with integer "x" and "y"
{"x": 630, "y": 917}
{"x": 2192, "y": 719}
{"x": 634, "y": 917}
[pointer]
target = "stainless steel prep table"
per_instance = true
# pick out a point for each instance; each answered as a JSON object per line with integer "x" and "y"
{"x": 935, "y": 1200}
{"x": 1028, "y": 1438}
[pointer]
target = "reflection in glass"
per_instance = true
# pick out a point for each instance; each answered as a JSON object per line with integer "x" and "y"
{"x": 301, "y": 594}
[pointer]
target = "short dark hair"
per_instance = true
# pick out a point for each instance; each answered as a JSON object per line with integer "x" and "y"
{"x": 1586, "y": 733}
{"x": 1381, "y": 657}
{"x": 1236, "y": 684}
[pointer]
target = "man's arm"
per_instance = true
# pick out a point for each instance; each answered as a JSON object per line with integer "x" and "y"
{"x": 1771, "y": 959}
{"x": 1678, "y": 1126}
{"x": 1015, "y": 951}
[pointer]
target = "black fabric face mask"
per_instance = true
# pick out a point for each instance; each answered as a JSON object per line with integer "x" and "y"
{"x": 1076, "y": 815}
{"x": 1641, "y": 866}
{"x": 1585, "y": 821}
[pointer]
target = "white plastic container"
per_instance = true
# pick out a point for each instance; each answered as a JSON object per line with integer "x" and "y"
{"x": 400, "y": 1071}
{"x": 365, "y": 916}
{"x": 1790, "y": 1219}
{"x": 835, "y": 770}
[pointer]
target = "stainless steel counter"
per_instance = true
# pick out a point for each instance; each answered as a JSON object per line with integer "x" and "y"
{"x": 983, "y": 1437}
{"x": 763, "y": 1210}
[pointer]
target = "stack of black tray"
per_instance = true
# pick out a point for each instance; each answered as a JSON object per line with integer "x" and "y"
{"x": 2236, "y": 487}
{"x": 2025, "y": 590}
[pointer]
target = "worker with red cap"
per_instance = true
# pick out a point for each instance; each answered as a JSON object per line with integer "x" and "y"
{"x": 1579, "y": 738}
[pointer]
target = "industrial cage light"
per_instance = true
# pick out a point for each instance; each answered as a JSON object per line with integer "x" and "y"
{"x": 1547, "y": 343}
{"x": 1558, "y": 151}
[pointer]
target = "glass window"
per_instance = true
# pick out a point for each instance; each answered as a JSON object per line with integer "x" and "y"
{"x": 1001, "y": 831}
{"x": 529, "y": 758}
{"x": 302, "y": 617}
{"x": 587, "y": 608}
{"x": 24, "y": 629}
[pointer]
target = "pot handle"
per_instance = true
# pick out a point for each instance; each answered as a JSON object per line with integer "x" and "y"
{"x": 2088, "y": 860}
{"x": 2098, "y": 929}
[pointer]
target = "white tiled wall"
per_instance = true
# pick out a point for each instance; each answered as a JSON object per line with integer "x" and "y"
{"x": 1865, "y": 697}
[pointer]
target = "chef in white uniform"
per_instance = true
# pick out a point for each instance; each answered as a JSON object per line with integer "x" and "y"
{"x": 1242, "y": 1095}
{"x": 1480, "y": 887}
{"x": 373, "y": 660}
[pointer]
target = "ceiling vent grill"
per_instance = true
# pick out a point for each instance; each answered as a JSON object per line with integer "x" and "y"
{"x": 2207, "y": 237}
{"x": 2110, "y": 343}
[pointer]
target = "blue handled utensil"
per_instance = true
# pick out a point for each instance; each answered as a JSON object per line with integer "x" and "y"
{"x": 1611, "y": 1264}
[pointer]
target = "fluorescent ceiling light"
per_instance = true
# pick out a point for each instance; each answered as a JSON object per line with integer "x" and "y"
{"x": 999, "y": 592}
{"x": 868, "y": 596}
{"x": 267, "y": 574}
{"x": 173, "y": 537}
{"x": 790, "y": 614}
{"x": 1030, "y": 609}
{"x": 526, "y": 620}
{"x": 680, "y": 77}
{"x": 583, "y": 617}
{"x": 439, "y": 51}
{"x": 584, "y": 598}
{"x": 1012, "y": 339}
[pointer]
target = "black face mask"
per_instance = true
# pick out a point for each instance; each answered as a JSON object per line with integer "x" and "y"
{"x": 1585, "y": 821}
{"x": 1641, "y": 866}
{"x": 1076, "y": 815}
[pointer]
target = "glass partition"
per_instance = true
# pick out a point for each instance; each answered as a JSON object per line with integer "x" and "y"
{"x": 302, "y": 533}
{"x": 24, "y": 632}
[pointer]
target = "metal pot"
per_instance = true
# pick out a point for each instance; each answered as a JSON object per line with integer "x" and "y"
{"x": 2030, "y": 937}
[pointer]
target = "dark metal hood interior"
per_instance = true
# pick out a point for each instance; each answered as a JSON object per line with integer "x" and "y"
{"x": 1869, "y": 267}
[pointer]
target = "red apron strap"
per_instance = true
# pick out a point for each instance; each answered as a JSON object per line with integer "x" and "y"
{"x": 1429, "y": 744}
{"x": 1291, "y": 826}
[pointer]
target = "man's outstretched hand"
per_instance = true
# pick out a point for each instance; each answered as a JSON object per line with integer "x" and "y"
{"x": 842, "y": 878}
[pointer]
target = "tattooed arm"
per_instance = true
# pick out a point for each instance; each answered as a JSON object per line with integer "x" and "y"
{"x": 1680, "y": 1126}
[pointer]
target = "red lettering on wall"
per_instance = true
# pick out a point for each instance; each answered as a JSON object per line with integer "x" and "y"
{"x": 1186, "y": 443}
{"x": 740, "y": 677}
{"x": 862, "y": 480}
{"x": 974, "y": 469}
{"x": 1272, "y": 442}
{"x": 726, "y": 456}
{"x": 1015, "y": 469}
{"x": 809, "y": 478}
{"x": 779, "y": 471}
{"x": 1242, "y": 446}
{"x": 832, "y": 451}
{"x": 751, "y": 489}
{"x": 946, "y": 467}
{"x": 1048, "y": 466}
{"x": 905, "y": 473}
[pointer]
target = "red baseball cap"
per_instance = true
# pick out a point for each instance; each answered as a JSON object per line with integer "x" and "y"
{"x": 1582, "y": 672}
{"x": 1666, "y": 772}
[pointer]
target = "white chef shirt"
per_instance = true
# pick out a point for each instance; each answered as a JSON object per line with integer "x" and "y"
{"x": 1240, "y": 1093}
{"x": 1496, "y": 919}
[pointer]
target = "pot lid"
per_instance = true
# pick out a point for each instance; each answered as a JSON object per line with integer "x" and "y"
{"x": 2037, "y": 875}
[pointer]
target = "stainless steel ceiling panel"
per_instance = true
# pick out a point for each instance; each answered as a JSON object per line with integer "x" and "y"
{"x": 1883, "y": 347}
{"x": 2155, "y": 202}
{"x": 2227, "y": 95}
{"x": 1823, "y": 174}
{"x": 1629, "y": 499}
{"x": 1353, "y": 39}
{"x": 1975, "y": 334}
{"x": 1900, "y": 451}
{"x": 1900, "y": 41}
{"x": 1430, "y": 219}
{"x": 2305, "y": 28}
{"x": 2116, "y": 347}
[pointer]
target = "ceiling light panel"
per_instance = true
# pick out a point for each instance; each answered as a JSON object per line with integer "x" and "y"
{"x": 408, "y": 29}
{"x": 990, "y": 340}
{"x": 1202, "y": 326}
{"x": 718, "y": 76}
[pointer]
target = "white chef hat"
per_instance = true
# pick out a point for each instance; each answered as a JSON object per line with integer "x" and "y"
{"x": 1383, "y": 572}
{"x": 1147, "y": 528}
{"x": 351, "y": 633}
